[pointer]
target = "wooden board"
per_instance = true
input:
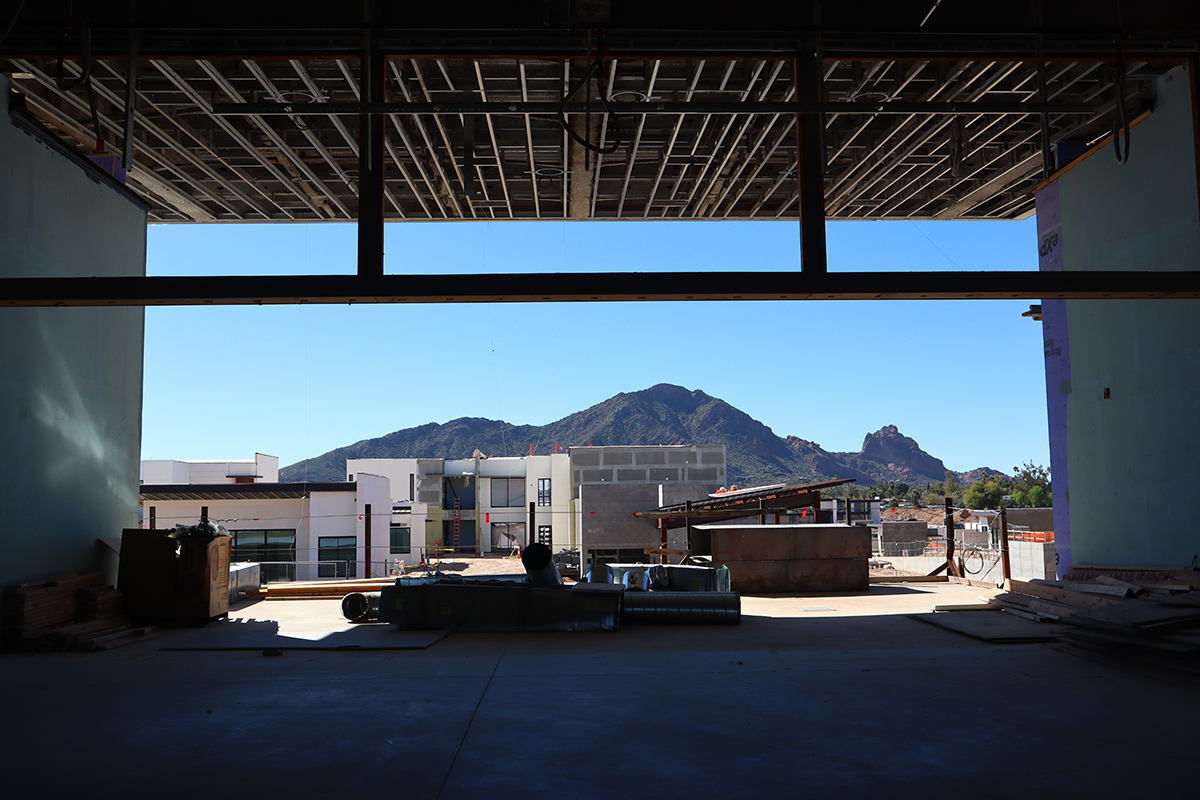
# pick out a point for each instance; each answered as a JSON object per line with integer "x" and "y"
{"x": 1079, "y": 599}
{"x": 1139, "y": 614}
{"x": 997, "y": 627}
{"x": 909, "y": 579}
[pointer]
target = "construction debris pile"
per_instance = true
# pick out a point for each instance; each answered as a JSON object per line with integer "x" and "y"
{"x": 539, "y": 601}
{"x": 72, "y": 612}
{"x": 1136, "y": 615}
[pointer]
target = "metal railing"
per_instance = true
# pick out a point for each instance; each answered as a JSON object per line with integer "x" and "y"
{"x": 273, "y": 571}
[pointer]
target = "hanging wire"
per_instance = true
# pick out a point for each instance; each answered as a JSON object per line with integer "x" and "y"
{"x": 618, "y": 132}
{"x": 13, "y": 23}
{"x": 1120, "y": 115}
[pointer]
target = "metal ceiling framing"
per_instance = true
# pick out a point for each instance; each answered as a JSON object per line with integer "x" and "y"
{"x": 277, "y": 138}
{"x": 756, "y": 113}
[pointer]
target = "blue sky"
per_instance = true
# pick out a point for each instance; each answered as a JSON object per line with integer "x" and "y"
{"x": 964, "y": 379}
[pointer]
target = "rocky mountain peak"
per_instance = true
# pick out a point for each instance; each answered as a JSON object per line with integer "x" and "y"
{"x": 889, "y": 446}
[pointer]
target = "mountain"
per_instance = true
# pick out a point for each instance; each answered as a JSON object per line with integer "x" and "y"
{"x": 662, "y": 414}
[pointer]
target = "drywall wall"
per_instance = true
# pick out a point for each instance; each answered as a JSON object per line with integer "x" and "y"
{"x": 71, "y": 394}
{"x": 1125, "y": 443}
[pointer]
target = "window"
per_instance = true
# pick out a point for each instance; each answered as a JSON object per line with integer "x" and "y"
{"x": 544, "y": 534}
{"x": 343, "y": 549}
{"x": 507, "y": 535}
{"x": 269, "y": 548}
{"x": 412, "y": 487}
{"x": 401, "y": 540}
{"x": 543, "y": 491}
{"x": 508, "y": 492}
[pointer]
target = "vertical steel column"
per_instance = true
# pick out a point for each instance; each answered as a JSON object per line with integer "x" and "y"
{"x": 371, "y": 148}
{"x": 810, "y": 162}
{"x": 1043, "y": 117}
{"x": 948, "y": 521}
{"x": 367, "y": 540}
{"x": 531, "y": 534}
{"x": 1004, "y": 564}
{"x": 1193, "y": 68}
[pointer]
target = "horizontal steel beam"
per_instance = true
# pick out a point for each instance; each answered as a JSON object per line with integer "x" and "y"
{"x": 594, "y": 287}
{"x": 669, "y": 108}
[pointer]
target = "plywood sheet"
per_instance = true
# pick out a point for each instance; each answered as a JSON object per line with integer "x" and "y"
{"x": 997, "y": 628}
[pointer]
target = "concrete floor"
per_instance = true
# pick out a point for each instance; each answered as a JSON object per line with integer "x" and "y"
{"x": 831, "y": 696}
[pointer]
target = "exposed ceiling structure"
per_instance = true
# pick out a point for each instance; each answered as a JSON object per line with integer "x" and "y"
{"x": 194, "y": 165}
{"x": 586, "y": 109}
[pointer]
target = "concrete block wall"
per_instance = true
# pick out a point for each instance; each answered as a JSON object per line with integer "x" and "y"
{"x": 607, "y": 518}
{"x": 1028, "y": 560}
{"x": 1035, "y": 519}
{"x": 649, "y": 464}
{"x": 904, "y": 531}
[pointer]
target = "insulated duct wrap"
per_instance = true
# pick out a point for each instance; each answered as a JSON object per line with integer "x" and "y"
{"x": 539, "y": 565}
{"x": 682, "y": 608}
{"x": 361, "y": 606}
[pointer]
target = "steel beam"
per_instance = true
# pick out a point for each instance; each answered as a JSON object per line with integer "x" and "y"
{"x": 371, "y": 152}
{"x": 595, "y": 287}
{"x": 550, "y": 109}
{"x": 810, "y": 165}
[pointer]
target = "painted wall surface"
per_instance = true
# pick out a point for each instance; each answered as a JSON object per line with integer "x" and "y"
{"x": 1132, "y": 432}
{"x": 375, "y": 491}
{"x": 400, "y": 472}
{"x": 263, "y": 468}
{"x": 71, "y": 392}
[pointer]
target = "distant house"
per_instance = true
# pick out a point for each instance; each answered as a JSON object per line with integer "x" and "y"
{"x": 261, "y": 468}
{"x": 298, "y": 530}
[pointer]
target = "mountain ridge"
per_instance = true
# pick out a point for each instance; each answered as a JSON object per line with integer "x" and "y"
{"x": 663, "y": 414}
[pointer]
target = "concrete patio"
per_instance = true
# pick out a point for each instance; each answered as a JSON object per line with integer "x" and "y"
{"x": 829, "y": 696}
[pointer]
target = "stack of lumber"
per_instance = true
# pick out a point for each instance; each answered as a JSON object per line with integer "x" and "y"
{"x": 316, "y": 590}
{"x": 1149, "y": 617}
{"x": 99, "y": 602}
{"x": 71, "y": 612}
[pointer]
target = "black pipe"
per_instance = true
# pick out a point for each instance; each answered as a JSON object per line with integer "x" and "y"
{"x": 361, "y": 606}
{"x": 539, "y": 565}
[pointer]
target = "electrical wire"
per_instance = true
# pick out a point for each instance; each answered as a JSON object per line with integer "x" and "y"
{"x": 85, "y": 61}
{"x": 1120, "y": 115}
{"x": 13, "y": 23}
{"x": 618, "y": 131}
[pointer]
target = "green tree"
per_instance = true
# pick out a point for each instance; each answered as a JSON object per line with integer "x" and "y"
{"x": 984, "y": 494}
{"x": 1029, "y": 475}
{"x": 1039, "y": 497}
{"x": 1020, "y": 499}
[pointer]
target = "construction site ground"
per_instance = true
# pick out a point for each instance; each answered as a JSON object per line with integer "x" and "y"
{"x": 810, "y": 696}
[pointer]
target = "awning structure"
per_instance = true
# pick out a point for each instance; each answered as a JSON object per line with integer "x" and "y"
{"x": 746, "y": 503}
{"x": 240, "y": 491}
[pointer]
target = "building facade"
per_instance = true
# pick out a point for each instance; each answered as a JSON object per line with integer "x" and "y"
{"x": 299, "y": 531}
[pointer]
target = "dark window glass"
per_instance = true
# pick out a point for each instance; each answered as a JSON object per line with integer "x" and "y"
{"x": 342, "y": 549}
{"x": 401, "y": 543}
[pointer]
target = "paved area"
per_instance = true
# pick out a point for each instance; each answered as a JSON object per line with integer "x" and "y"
{"x": 812, "y": 696}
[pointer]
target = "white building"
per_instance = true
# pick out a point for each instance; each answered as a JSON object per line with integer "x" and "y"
{"x": 478, "y": 504}
{"x": 585, "y": 498}
{"x": 300, "y": 530}
{"x": 260, "y": 469}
